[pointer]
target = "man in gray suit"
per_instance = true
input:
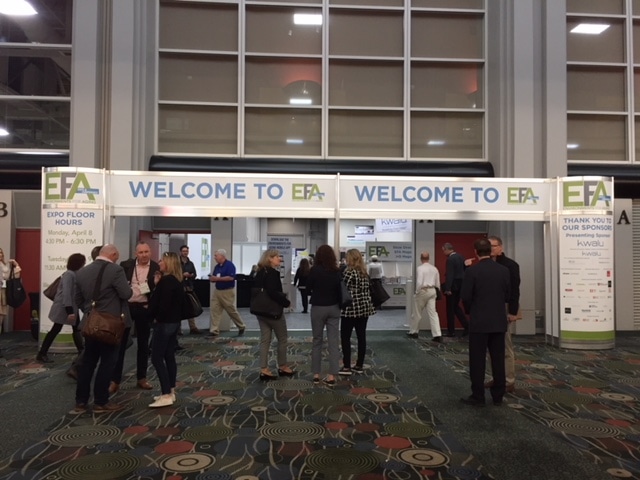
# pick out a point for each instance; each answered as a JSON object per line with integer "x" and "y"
{"x": 113, "y": 296}
{"x": 485, "y": 290}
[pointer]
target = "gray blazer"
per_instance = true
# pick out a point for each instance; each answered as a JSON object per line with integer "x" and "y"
{"x": 115, "y": 291}
{"x": 65, "y": 297}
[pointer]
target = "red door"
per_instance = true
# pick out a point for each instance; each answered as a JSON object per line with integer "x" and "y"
{"x": 28, "y": 256}
{"x": 462, "y": 244}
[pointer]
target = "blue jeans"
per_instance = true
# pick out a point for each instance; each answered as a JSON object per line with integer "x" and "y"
{"x": 163, "y": 354}
{"x": 93, "y": 353}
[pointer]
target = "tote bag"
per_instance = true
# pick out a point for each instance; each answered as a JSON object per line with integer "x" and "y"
{"x": 262, "y": 305}
{"x": 51, "y": 290}
{"x": 191, "y": 306}
{"x": 15, "y": 291}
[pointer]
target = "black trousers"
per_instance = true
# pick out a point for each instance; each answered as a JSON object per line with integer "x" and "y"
{"x": 479, "y": 344}
{"x": 454, "y": 310}
{"x": 347, "y": 324}
{"x": 304, "y": 296}
{"x": 142, "y": 321}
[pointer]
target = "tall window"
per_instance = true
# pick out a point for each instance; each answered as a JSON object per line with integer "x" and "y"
{"x": 601, "y": 87}
{"x": 323, "y": 79}
{"x": 35, "y": 78}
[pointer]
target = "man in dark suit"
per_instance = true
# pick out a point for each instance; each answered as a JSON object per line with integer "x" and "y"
{"x": 451, "y": 290}
{"x": 139, "y": 272}
{"x": 113, "y": 295}
{"x": 485, "y": 290}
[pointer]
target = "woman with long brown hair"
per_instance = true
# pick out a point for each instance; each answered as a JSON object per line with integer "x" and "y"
{"x": 324, "y": 287}
{"x": 300, "y": 280}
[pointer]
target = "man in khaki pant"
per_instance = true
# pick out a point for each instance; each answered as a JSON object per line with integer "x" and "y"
{"x": 513, "y": 309}
{"x": 224, "y": 295}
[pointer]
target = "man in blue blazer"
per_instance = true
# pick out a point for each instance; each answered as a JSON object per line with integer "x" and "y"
{"x": 485, "y": 291}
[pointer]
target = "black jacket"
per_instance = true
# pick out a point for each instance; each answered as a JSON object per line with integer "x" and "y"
{"x": 485, "y": 291}
{"x": 514, "y": 278}
{"x": 269, "y": 279}
{"x": 129, "y": 267}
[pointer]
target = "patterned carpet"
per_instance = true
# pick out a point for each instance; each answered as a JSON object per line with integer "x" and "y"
{"x": 228, "y": 425}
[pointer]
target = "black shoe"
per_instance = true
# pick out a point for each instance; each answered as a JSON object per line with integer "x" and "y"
{"x": 316, "y": 380}
{"x": 449, "y": 335}
{"x": 179, "y": 347}
{"x": 284, "y": 373}
{"x": 240, "y": 332}
{"x": 267, "y": 376}
{"x": 304, "y": 311}
{"x": 42, "y": 358}
{"x": 194, "y": 331}
{"x": 498, "y": 403}
{"x": 437, "y": 339}
{"x": 412, "y": 335}
{"x": 474, "y": 402}
{"x": 73, "y": 373}
{"x": 329, "y": 383}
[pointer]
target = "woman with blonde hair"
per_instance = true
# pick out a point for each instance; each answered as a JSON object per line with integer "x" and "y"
{"x": 357, "y": 314}
{"x": 268, "y": 278}
{"x": 165, "y": 307}
{"x": 5, "y": 266}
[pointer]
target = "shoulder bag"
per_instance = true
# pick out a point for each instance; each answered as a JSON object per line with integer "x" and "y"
{"x": 261, "y": 304}
{"x": 15, "y": 290}
{"x": 102, "y": 326}
{"x": 191, "y": 306}
{"x": 438, "y": 293}
{"x": 51, "y": 290}
{"x": 378, "y": 294}
{"x": 345, "y": 296}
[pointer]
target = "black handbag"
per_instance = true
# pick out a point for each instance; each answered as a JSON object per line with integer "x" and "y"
{"x": 378, "y": 294}
{"x": 262, "y": 305}
{"x": 345, "y": 296}
{"x": 438, "y": 293}
{"x": 15, "y": 290}
{"x": 191, "y": 306}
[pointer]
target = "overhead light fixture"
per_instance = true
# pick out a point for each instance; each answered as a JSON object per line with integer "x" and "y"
{"x": 572, "y": 146}
{"x": 435, "y": 143}
{"x": 38, "y": 152}
{"x": 294, "y": 141}
{"x": 17, "y": 8}
{"x": 3, "y": 132}
{"x": 590, "y": 28}
{"x": 307, "y": 18}
{"x": 300, "y": 101}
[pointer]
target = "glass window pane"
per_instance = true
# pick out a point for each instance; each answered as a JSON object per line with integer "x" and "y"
{"x": 596, "y": 137}
{"x": 51, "y": 25}
{"x": 274, "y": 30}
{"x": 446, "y": 135}
{"x": 636, "y": 7}
{"x": 279, "y": 81}
{"x": 358, "y": 32}
{"x": 35, "y": 124}
{"x": 447, "y": 35}
{"x": 606, "y": 47}
{"x": 636, "y": 90}
{"x": 197, "y": 129}
{"x": 612, "y": 7}
{"x": 366, "y": 84}
{"x": 466, "y": 4}
{"x": 636, "y": 40}
{"x": 198, "y": 78}
{"x": 369, "y": 3}
{"x": 282, "y": 131}
{"x": 637, "y": 135}
{"x": 199, "y": 26}
{"x": 593, "y": 88}
{"x": 357, "y": 133}
{"x": 23, "y": 73}
{"x": 441, "y": 85}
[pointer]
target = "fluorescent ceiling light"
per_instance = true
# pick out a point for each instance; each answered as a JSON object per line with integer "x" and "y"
{"x": 3, "y": 132}
{"x": 572, "y": 146}
{"x": 435, "y": 143}
{"x": 300, "y": 101}
{"x": 590, "y": 28}
{"x": 17, "y": 8}
{"x": 295, "y": 141}
{"x": 307, "y": 18}
{"x": 38, "y": 152}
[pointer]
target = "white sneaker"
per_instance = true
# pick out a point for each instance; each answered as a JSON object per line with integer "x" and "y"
{"x": 158, "y": 397}
{"x": 163, "y": 401}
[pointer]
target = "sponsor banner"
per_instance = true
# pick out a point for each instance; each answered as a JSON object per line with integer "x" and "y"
{"x": 586, "y": 246}
{"x": 390, "y": 225}
{"x": 586, "y": 193}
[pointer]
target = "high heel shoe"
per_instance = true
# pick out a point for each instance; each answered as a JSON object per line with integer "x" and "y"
{"x": 267, "y": 376}
{"x": 285, "y": 373}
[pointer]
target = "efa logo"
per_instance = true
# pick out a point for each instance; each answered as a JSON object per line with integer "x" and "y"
{"x": 588, "y": 193}
{"x": 521, "y": 196}
{"x": 378, "y": 250}
{"x": 69, "y": 186}
{"x": 306, "y": 192}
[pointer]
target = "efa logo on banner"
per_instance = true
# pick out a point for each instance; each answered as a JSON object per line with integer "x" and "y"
{"x": 521, "y": 196}
{"x": 69, "y": 186}
{"x": 585, "y": 194}
{"x": 377, "y": 250}
{"x": 306, "y": 192}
